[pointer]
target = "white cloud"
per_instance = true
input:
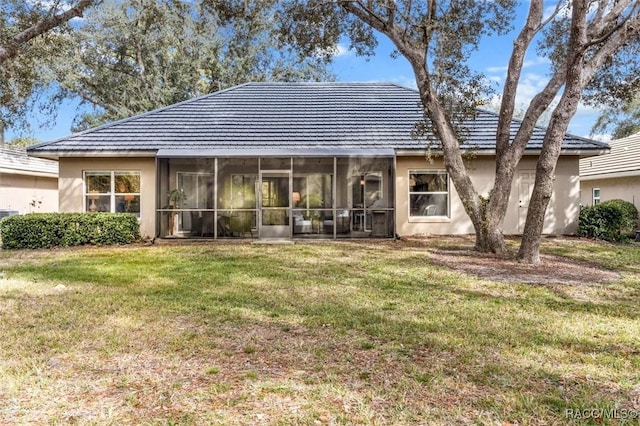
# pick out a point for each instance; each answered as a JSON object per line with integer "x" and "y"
{"x": 538, "y": 60}
{"x": 565, "y": 8}
{"x": 502, "y": 70}
{"x": 530, "y": 85}
{"x": 605, "y": 137}
{"x": 342, "y": 50}
{"x": 580, "y": 123}
{"x": 405, "y": 81}
{"x": 548, "y": 11}
{"x": 528, "y": 63}
{"x": 401, "y": 80}
{"x": 583, "y": 120}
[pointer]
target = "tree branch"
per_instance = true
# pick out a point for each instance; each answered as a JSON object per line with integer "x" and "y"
{"x": 610, "y": 46}
{"x": 376, "y": 22}
{"x": 622, "y": 26}
{"x": 520, "y": 46}
{"x": 12, "y": 48}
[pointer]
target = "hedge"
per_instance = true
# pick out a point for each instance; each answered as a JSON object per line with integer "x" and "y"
{"x": 613, "y": 220}
{"x": 45, "y": 230}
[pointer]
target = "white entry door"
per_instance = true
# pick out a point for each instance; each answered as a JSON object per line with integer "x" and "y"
{"x": 526, "y": 180}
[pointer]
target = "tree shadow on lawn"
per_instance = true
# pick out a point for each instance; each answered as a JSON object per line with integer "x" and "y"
{"x": 363, "y": 355}
{"x": 564, "y": 304}
{"x": 467, "y": 364}
{"x": 569, "y": 250}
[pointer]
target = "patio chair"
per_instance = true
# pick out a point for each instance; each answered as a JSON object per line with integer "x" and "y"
{"x": 430, "y": 210}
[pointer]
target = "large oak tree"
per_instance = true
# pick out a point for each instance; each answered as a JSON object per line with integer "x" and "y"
{"x": 132, "y": 56}
{"x": 581, "y": 38}
{"x": 30, "y": 35}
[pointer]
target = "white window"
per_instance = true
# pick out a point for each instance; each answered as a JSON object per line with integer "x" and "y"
{"x": 596, "y": 196}
{"x": 112, "y": 191}
{"x": 428, "y": 193}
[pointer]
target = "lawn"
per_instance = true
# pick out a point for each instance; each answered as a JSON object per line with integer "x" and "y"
{"x": 321, "y": 333}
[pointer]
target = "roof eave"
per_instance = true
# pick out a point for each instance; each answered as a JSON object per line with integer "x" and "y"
{"x": 57, "y": 154}
{"x": 28, "y": 173}
{"x": 491, "y": 152}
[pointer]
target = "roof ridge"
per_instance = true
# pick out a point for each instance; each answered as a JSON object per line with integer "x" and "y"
{"x": 205, "y": 96}
{"x": 317, "y": 83}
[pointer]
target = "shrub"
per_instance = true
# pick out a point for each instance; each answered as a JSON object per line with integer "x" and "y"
{"x": 612, "y": 220}
{"x": 45, "y": 230}
{"x": 629, "y": 212}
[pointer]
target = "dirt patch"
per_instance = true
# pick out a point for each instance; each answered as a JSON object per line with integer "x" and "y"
{"x": 459, "y": 255}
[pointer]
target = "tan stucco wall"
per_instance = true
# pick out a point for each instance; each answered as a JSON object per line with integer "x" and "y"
{"x": 623, "y": 188}
{"x": 561, "y": 217}
{"x": 71, "y": 184}
{"x": 28, "y": 194}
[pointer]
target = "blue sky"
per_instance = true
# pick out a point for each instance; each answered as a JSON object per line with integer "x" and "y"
{"x": 491, "y": 59}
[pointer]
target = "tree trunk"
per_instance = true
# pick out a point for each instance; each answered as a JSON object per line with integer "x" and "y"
{"x": 487, "y": 223}
{"x": 543, "y": 188}
{"x": 488, "y": 234}
{"x": 498, "y": 202}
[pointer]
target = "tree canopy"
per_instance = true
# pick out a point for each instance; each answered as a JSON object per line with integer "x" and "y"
{"x": 616, "y": 91}
{"x": 621, "y": 121}
{"x": 132, "y": 56}
{"x": 29, "y": 32}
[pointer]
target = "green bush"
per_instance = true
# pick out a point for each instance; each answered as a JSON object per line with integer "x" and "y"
{"x": 45, "y": 230}
{"x": 629, "y": 222}
{"x": 613, "y": 220}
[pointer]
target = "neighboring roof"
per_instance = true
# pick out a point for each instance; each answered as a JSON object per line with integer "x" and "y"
{"x": 282, "y": 116}
{"x": 17, "y": 162}
{"x": 623, "y": 160}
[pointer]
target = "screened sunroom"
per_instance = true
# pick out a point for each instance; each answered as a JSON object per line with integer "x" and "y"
{"x": 301, "y": 196}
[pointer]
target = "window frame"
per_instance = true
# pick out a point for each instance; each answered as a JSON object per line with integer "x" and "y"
{"x": 595, "y": 200}
{"x": 112, "y": 194}
{"x": 434, "y": 218}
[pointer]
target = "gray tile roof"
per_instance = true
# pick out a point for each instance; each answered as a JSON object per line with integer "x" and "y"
{"x": 277, "y": 116}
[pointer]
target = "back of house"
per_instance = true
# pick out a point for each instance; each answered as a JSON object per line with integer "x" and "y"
{"x": 296, "y": 160}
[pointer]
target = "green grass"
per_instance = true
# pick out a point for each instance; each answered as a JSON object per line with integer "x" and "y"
{"x": 319, "y": 333}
